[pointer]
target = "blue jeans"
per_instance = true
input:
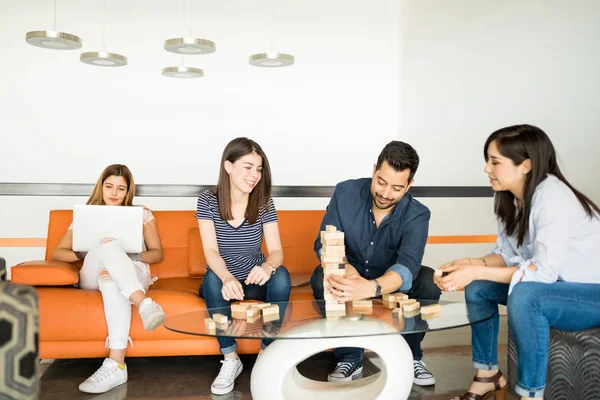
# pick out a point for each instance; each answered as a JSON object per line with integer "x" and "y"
{"x": 422, "y": 288}
{"x": 533, "y": 308}
{"x": 276, "y": 290}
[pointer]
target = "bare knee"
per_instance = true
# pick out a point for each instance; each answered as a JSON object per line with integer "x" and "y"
{"x": 104, "y": 276}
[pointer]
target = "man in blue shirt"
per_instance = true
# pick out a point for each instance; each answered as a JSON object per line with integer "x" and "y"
{"x": 385, "y": 231}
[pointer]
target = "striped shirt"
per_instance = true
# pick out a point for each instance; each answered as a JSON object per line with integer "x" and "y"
{"x": 240, "y": 247}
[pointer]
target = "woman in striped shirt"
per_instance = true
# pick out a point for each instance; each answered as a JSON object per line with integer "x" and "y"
{"x": 545, "y": 266}
{"x": 233, "y": 219}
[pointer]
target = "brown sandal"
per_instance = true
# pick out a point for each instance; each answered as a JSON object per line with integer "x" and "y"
{"x": 499, "y": 393}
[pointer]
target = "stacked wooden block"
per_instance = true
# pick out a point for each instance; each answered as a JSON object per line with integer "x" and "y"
{"x": 333, "y": 259}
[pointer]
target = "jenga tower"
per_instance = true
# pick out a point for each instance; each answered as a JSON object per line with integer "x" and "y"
{"x": 333, "y": 258}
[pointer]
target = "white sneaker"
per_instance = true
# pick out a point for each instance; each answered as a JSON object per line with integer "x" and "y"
{"x": 422, "y": 376}
{"x": 230, "y": 370}
{"x": 108, "y": 376}
{"x": 152, "y": 314}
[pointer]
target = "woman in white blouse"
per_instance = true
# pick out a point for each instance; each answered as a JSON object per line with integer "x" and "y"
{"x": 545, "y": 266}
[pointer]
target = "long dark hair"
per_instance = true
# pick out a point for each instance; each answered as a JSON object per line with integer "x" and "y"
{"x": 519, "y": 143}
{"x": 260, "y": 195}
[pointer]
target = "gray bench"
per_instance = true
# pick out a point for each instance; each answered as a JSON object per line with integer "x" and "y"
{"x": 573, "y": 365}
{"x": 19, "y": 329}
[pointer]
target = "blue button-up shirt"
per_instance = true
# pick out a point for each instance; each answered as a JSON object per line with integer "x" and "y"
{"x": 397, "y": 245}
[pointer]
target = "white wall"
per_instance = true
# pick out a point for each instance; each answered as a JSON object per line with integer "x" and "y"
{"x": 473, "y": 66}
{"x": 342, "y": 89}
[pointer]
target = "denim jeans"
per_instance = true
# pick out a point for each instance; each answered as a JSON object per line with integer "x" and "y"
{"x": 533, "y": 308}
{"x": 276, "y": 290}
{"x": 422, "y": 288}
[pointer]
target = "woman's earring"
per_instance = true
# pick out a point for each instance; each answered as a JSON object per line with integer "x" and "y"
{"x": 524, "y": 173}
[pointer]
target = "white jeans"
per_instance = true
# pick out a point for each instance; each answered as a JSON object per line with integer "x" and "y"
{"x": 126, "y": 277}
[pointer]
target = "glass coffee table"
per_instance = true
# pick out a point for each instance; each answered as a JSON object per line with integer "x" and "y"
{"x": 301, "y": 330}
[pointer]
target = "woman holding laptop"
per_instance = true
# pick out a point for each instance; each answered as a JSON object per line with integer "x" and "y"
{"x": 233, "y": 219}
{"x": 121, "y": 278}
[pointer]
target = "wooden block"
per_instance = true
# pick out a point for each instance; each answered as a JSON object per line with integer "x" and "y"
{"x": 272, "y": 309}
{"x": 438, "y": 272}
{"x": 252, "y": 312}
{"x": 390, "y": 298}
{"x": 432, "y": 309}
{"x": 411, "y": 314}
{"x": 333, "y": 251}
{"x": 252, "y": 320}
{"x": 260, "y": 306}
{"x": 238, "y": 314}
{"x": 335, "y": 313}
{"x": 332, "y": 242}
{"x": 330, "y": 228}
{"x": 271, "y": 317}
{"x": 333, "y": 236}
{"x": 334, "y": 305}
{"x": 401, "y": 303}
{"x": 210, "y": 325}
{"x": 389, "y": 305}
{"x": 220, "y": 318}
{"x": 338, "y": 272}
{"x": 362, "y": 303}
{"x": 431, "y": 316}
{"x": 328, "y": 296}
{"x": 397, "y": 313}
{"x": 331, "y": 259}
{"x": 239, "y": 308}
{"x": 411, "y": 306}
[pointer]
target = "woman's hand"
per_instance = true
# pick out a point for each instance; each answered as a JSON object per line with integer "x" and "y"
{"x": 232, "y": 289}
{"x": 459, "y": 276}
{"x": 259, "y": 275}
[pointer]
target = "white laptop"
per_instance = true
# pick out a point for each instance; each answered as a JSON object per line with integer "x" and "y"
{"x": 91, "y": 224}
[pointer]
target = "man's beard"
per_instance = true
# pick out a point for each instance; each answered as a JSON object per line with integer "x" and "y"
{"x": 382, "y": 206}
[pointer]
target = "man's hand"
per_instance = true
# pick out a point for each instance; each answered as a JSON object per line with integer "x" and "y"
{"x": 350, "y": 288}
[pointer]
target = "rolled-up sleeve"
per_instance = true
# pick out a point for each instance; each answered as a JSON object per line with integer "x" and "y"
{"x": 550, "y": 244}
{"x": 411, "y": 250}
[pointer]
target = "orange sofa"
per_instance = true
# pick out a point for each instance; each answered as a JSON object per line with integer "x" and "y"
{"x": 72, "y": 320}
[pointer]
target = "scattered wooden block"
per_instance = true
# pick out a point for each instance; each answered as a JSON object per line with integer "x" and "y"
{"x": 411, "y": 306}
{"x": 240, "y": 308}
{"x": 260, "y": 306}
{"x": 272, "y": 309}
{"x": 271, "y": 317}
{"x": 401, "y": 296}
{"x": 401, "y": 303}
{"x": 389, "y": 305}
{"x": 210, "y": 325}
{"x": 362, "y": 303}
{"x": 220, "y": 318}
{"x": 390, "y": 298}
{"x": 431, "y": 309}
{"x": 411, "y": 314}
{"x": 431, "y": 316}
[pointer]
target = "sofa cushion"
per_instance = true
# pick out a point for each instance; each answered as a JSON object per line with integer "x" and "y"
{"x": 187, "y": 285}
{"x": 45, "y": 273}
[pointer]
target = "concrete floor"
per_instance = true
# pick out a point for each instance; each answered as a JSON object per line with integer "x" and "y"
{"x": 185, "y": 378}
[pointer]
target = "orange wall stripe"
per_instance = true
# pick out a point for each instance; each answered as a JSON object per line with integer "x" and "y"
{"x": 470, "y": 239}
{"x": 466, "y": 239}
{"x": 22, "y": 242}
